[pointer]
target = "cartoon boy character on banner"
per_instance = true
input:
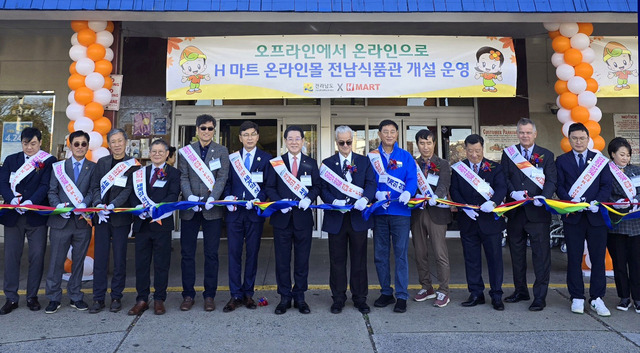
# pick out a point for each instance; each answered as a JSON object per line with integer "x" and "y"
{"x": 193, "y": 63}
{"x": 490, "y": 61}
{"x": 618, "y": 60}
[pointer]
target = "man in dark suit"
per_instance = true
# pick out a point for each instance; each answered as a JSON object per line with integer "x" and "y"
{"x": 24, "y": 179}
{"x": 480, "y": 230}
{"x": 585, "y": 225}
{"x": 70, "y": 186}
{"x": 347, "y": 231}
{"x": 293, "y": 227}
{"x": 111, "y": 188}
{"x": 244, "y": 226}
{"x": 536, "y": 179}
{"x": 152, "y": 185}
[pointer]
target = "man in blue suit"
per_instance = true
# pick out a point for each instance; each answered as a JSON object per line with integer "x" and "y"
{"x": 347, "y": 179}
{"x": 480, "y": 230}
{"x": 575, "y": 168}
{"x": 247, "y": 173}
{"x": 24, "y": 180}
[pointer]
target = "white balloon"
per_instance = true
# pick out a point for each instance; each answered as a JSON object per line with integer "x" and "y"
{"x": 569, "y": 29}
{"x": 588, "y": 55}
{"x": 77, "y": 52}
{"x": 69, "y": 253}
{"x": 558, "y": 101}
{"x": 85, "y": 124}
{"x": 108, "y": 55}
{"x": 580, "y": 41}
{"x": 104, "y": 38}
{"x": 564, "y": 115}
{"x": 71, "y": 97}
{"x": 94, "y": 81}
{"x": 75, "y": 111}
{"x": 85, "y": 66}
{"x": 590, "y": 144}
{"x": 88, "y": 266}
{"x": 587, "y": 99}
{"x": 98, "y": 26}
{"x": 577, "y": 84}
{"x": 99, "y": 153}
{"x": 95, "y": 140}
{"x": 551, "y": 26}
{"x": 565, "y": 72}
{"x": 74, "y": 39}
{"x": 102, "y": 96}
{"x": 565, "y": 127}
{"x": 557, "y": 59}
{"x": 595, "y": 114}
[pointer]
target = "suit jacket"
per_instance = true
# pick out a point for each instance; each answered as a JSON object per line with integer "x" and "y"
{"x": 439, "y": 215}
{"x": 190, "y": 182}
{"x": 517, "y": 181}
{"x": 364, "y": 177}
{"x": 277, "y": 190}
{"x": 33, "y": 187}
{"x": 236, "y": 188}
{"x": 600, "y": 190}
{"x": 116, "y": 195}
{"x": 58, "y": 196}
{"x": 462, "y": 192}
{"x": 169, "y": 192}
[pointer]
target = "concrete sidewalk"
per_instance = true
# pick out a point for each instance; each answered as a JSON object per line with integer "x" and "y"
{"x": 422, "y": 328}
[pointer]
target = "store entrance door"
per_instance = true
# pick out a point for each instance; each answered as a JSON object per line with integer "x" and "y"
{"x": 268, "y": 142}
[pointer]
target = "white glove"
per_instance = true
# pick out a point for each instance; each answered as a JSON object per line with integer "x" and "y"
{"x": 404, "y": 197}
{"x": 249, "y": 204}
{"x": 621, "y": 207}
{"x": 361, "y": 204}
{"x": 577, "y": 199}
{"x": 536, "y": 200}
{"x": 487, "y": 206}
{"x": 231, "y": 208}
{"x": 21, "y": 211}
{"x": 339, "y": 202}
{"x": 105, "y": 211}
{"x": 518, "y": 195}
{"x": 635, "y": 208}
{"x": 285, "y": 210}
{"x": 593, "y": 208}
{"x": 102, "y": 217}
{"x": 304, "y": 203}
{"x": 194, "y": 198}
{"x": 432, "y": 201}
{"x": 82, "y": 205}
{"x": 471, "y": 213}
{"x": 382, "y": 195}
{"x": 143, "y": 215}
{"x": 15, "y": 201}
{"x": 63, "y": 215}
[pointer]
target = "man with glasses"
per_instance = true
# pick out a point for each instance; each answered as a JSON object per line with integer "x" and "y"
{"x": 70, "y": 186}
{"x": 396, "y": 177}
{"x": 204, "y": 165}
{"x": 583, "y": 176}
{"x": 294, "y": 177}
{"x": 531, "y": 172}
{"x": 24, "y": 180}
{"x": 248, "y": 171}
{"x": 347, "y": 179}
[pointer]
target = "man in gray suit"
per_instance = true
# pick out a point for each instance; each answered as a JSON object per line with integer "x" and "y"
{"x": 69, "y": 187}
{"x": 205, "y": 168}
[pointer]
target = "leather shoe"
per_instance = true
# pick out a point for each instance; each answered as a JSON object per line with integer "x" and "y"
{"x": 187, "y": 303}
{"x": 139, "y": 308}
{"x": 401, "y": 306}
{"x": 497, "y": 304}
{"x": 8, "y": 307}
{"x": 96, "y": 307}
{"x": 537, "y": 305}
{"x": 209, "y": 304}
{"x": 336, "y": 307}
{"x": 362, "y": 307}
{"x": 473, "y": 301}
{"x": 282, "y": 307}
{"x": 33, "y": 304}
{"x": 302, "y": 306}
{"x": 115, "y": 306}
{"x": 249, "y": 303}
{"x": 158, "y": 307}
{"x": 384, "y": 300}
{"x": 232, "y": 305}
{"x": 516, "y": 297}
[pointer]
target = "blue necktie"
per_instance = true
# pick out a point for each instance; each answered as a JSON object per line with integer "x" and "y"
{"x": 247, "y": 161}
{"x": 76, "y": 171}
{"x": 580, "y": 162}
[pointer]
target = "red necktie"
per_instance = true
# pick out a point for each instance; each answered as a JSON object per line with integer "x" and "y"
{"x": 475, "y": 168}
{"x": 154, "y": 176}
{"x": 294, "y": 167}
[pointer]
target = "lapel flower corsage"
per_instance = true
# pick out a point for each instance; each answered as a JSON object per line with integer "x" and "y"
{"x": 39, "y": 165}
{"x": 536, "y": 159}
{"x": 352, "y": 168}
{"x": 486, "y": 167}
{"x": 393, "y": 164}
{"x": 161, "y": 174}
{"x": 431, "y": 167}
{"x": 258, "y": 159}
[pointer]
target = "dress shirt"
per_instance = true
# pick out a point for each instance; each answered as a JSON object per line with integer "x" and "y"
{"x": 253, "y": 156}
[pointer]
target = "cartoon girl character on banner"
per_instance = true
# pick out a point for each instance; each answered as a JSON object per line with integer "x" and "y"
{"x": 193, "y": 63}
{"x": 490, "y": 61}
{"x": 618, "y": 60}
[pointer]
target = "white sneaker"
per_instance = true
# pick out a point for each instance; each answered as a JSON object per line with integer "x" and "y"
{"x": 577, "y": 306}
{"x": 598, "y": 306}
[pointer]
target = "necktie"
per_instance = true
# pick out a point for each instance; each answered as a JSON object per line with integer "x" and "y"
{"x": 154, "y": 176}
{"x": 76, "y": 171}
{"x": 526, "y": 154}
{"x": 475, "y": 168}
{"x": 345, "y": 168}
{"x": 247, "y": 161}
{"x": 580, "y": 161}
{"x": 294, "y": 167}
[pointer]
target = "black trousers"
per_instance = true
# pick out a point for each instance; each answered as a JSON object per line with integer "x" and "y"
{"x": 596, "y": 237}
{"x": 625, "y": 254}
{"x": 517, "y": 229}
{"x": 472, "y": 244}
{"x": 353, "y": 243}
{"x": 108, "y": 238}
{"x": 284, "y": 239}
{"x": 156, "y": 245}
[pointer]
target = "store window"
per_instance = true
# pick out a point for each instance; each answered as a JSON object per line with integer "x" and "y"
{"x": 453, "y": 142}
{"x": 410, "y": 137}
{"x": 373, "y": 138}
{"x": 310, "y": 147}
{"x": 359, "y": 141}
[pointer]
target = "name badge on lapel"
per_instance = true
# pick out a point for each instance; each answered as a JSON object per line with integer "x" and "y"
{"x": 120, "y": 181}
{"x": 383, "y": 179}
{"x": 433, "y": 179}
{"x": 159, "y": 183}
{"x": 484, "y": 188}
{"x": 214, "y": 164}
{"x": 306, "y": 180}
{"x": 537, "y": 173}
{"x": 256, "y": 177}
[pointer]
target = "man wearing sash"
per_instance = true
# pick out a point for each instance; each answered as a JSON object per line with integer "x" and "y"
{"x": 24, "y": 179}
{"x": 152, "y": 185}
{"x": 247, "y": 174}
{"x": 111, "y": 188}
{"x": 429, "y": 224}
{"x": 583, "y": 176}
{"x": 204, "y": 168}
{"x": 396, "y": 176}
{"x": 480, "y": 182}
{"x": 70, "y": 186}
{"x": 531, "y": 172}
{"x": 294, "y": 177}
{"x": 347, "y": 179}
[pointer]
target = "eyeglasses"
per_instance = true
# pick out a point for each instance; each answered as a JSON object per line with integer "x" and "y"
{"x": 291, "y": 139}
{"x": 157, "y": 152}
{"x": 205, "y": 128}
{"x": 253, "y": 134}
{"x": 581, "y": 139}
{"x": 78, "y": 144}
{"x": 342, "y": 143}
{"x": 389, "y": 132}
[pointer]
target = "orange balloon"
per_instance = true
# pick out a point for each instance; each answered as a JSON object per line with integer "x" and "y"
{"x": 75, "y": 81}
{"x": 93, "y": 111}
{"x": 83, "y": 95}
{"x": 110, "y": 26}
{"x": 593, "y": 127}
{"x": 584, "y": 70}
{"x": 105, "y": 143}
{"x": 88, "y": 155}
{"x": 67, "y": 266}
{"x": 592, "y": 85}
{"x": 553, "y": 34}
{"x": 561, "y": 87}
{"x": 573, "y": 56}
{"x": 70, "y": 126}
{"x": 565, "y": 145}
{"x": 68, "y": 143}
{"x": 102, "y": 126}
{"x": 96, "y": 52}
{"x": 586, "y": 28}
{"x": 72, "y": 68}
{"x": 108, "y": 82}
{"x": 579, "y": 114}
{"x": 78, "y": 26}
{"x": 103, "y": 67}
{"x": 561, "y": 43}
{"x": 598, "y": 143}
{"x": 86, "y": 37}
{"x": 568, "y": 100}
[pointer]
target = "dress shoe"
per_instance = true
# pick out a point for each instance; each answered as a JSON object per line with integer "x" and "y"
{"x": 384, "y": 300}
{"x": 473, "y": 301}
{"x": 33, "y": 304}
{"x": 232, "y": 305}
{"x": 8, "y": 307}
{"x": 282, "y": 307}
{"x": 497, "y": 304}
{"x": 336, "y": 307}
{"x": 96, "y": 307}
{"x": 139, "y": 308}
{"x": 52, "y": 308}
{"x": 537, "y": 305}
{"x": 302, "y": 306}
{"x": 401, "y": 306}
{"x": 158, "y": 307}
{"x": 249, "y": 303}
{"x": 362, "y": 307}
{"x": 209, "y": 304}
{"x": 116, "y": 305}
{"x": 187, "y": 303}
{"x": 516, "y": 297}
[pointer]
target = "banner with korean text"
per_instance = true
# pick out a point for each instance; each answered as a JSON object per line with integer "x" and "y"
{"x": 333, "y": 66}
